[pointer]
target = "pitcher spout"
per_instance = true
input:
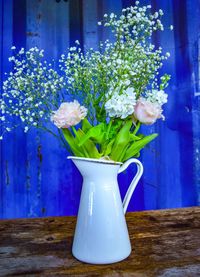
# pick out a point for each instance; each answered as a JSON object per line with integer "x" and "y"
{"x": 96, "y": 167}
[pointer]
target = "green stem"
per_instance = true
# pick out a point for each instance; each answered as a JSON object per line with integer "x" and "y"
{"x": 137, "y": 127}
{"x": 74, "y": 130}
{"x": 64, "y": 142}
{"x": 109, "y": 127}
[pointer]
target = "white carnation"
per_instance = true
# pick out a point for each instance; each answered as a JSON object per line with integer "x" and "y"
{"x": 121, "y": 105}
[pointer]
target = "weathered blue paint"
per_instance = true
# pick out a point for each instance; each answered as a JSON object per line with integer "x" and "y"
{"x": 1, "y": 74}
{"x": 184, "y": 117}
{"x": 36, "y": 178}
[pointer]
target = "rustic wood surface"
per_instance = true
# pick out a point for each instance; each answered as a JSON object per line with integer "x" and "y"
{"x": 165, "y": 243}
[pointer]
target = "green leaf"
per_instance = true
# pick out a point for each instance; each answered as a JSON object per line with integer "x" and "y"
{"x": 121, "y": 141}
{"x": 137, "y": 127}
{"x": 78, "y": 136}
{"x": 89, "y": 146}
{"x": 134, "y": 138}
{"x": 72, "y": 143}
{"x": 108, "y": 148}
{"x": 135, "y": 148}
{"x": 96, "y": 133}
{"x": 117, "y": 124}
{"x": 86, "y": 126}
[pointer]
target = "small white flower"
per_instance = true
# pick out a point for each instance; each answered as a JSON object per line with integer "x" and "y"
{"x": 21, "y": 51}
{"x": 99, "y": 23}
{"x": 171, "y": 27}
{"x": 156, "y": 15}
{"x": 26, "y": 129}
{"x": 13, "y": 48}
{"x": 112, "y": 15}
{"x": 127, "y": 82}
{"x": 119, "y": 61}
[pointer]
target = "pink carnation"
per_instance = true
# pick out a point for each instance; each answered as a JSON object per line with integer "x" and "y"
{"x": 68, "y": 114}
{"x": 147, "y": 112}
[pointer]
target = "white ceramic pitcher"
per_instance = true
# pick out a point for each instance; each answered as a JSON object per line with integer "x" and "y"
{"x": 101, "y": 235}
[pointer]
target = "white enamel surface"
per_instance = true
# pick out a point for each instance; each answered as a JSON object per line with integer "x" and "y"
{"x": 101, "y": 234}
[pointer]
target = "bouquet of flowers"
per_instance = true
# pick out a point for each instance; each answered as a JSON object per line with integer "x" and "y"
{"x": 97, "y": 99}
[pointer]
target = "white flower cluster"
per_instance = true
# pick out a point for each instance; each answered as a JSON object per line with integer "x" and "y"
{"x": 30, "y": 91}
{"x": 121, "y": 105}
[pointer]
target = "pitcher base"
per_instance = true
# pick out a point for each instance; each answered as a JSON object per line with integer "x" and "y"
{"x": 100, "y": 261}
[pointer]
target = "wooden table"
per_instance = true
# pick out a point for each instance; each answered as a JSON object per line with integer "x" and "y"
{"x": 165, "y": 243}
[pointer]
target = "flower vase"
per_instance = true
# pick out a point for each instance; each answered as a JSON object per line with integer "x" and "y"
{"x": 101, "y": 234}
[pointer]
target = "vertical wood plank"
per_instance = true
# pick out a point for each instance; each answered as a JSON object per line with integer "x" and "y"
{"x": 50, "y": 24}
{"x": 1, "y": 79}
{"x": 34, "y": 147}
{"x": 90, "y": 27}
{"x": 184, "y": 103}
{"x": 108, "y": 6}
{"x": 149, "y": 157}
{"x": 194, "y": 53}
{"x": 19, "y": 153}
{"x": 169, "y": 186}
{"x": 8, "y": 192}
{"x": 75, "y": 21}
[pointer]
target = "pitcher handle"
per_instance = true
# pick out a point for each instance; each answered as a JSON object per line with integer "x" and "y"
{"x": 134, "y": 182}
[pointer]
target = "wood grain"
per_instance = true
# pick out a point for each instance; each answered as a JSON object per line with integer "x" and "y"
{"x": 165, "y": 243}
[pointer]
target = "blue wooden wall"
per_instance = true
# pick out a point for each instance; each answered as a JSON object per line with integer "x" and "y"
{"x": 36, "y": 178}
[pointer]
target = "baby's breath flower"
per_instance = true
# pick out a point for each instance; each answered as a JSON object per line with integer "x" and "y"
{"x": 108, "y": 81}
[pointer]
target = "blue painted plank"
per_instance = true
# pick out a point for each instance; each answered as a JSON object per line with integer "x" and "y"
{"x": 7, "y": 167}
{"x": 184, "y": 102}
{"x": 149, "y": 158}
{"x": 33, "y": 145}
{"x": 75, "y": 22}
{"x": 194, "y": 53}
{"x": 19, "y": 153}
{"x": 51, "y": 167}
{"x": 90, "y": 27}
{"x": 169, "y": 145}
{"x": 128, "y": 3}
{"x": 1, "y": 78}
